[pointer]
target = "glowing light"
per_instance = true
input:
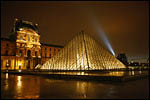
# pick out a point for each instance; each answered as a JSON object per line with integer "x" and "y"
{"x": 20, "y": 29}
{"x": 19, "y": 64}
{"x": 7, "y": 64}
{"x": 101, "y": 33}
{"x": 6, "y": 75}
{"x": 19, "y": 84}
{"x": 80, "y": 73}
{"x": 19, "y": 70}
{"x": 105, "y": 40}
{"x": 19, "y": 80}
{"x": 132, "y": 72}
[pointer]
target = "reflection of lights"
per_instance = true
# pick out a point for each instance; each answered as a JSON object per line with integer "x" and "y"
{"x": 132, "y": 72}
{"x": 6, "y": 85}
{"x": 19, "y": 85}
{"x": 19, "y": 81}
{"x": 116, "y": 73}
{"x": 32, "y": 96}
{"x": 19, "y": 70}
{"x": 6, "y": 75}
{"x": 82, "y": 73}
{"x": 81, "y": 88}
{"x": 79, "y": 73}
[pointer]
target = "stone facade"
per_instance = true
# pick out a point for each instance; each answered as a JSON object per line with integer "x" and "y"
{"x": 23, "y": 50}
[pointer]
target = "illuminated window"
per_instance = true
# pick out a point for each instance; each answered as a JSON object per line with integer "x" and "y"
{"x": 28, "y": 38}
{"x": 35, "y": 39}
{"x": 20, "y": 53}
{"x": 21, "y": 37}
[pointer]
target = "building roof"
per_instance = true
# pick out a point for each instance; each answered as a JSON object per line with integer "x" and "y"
{"x": 25, "y": 24}
{"x": 58, "y": 46}
{"x": 7, "y": 39}
{"x": 52, "y": 45}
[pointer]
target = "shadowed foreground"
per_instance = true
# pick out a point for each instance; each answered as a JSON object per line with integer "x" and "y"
{"x": 32, "y": 87}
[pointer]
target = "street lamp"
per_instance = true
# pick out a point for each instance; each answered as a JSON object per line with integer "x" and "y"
{"x": 7, "y": 65}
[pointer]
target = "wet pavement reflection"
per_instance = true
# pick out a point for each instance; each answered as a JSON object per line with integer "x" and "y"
{"x": 37, "y": 87}
{"x": 108, "y": 73}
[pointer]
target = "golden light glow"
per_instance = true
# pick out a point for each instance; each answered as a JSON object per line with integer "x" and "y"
{"x": 83, "y": 53}
{"x": 117, "y": 73}
{"x": 81, "y": 73}
{"x": 20, "y": 29}
{"x": 82, "y": 89}
{"x": 6, "y": 75}
{"x": 19, "y": 64}
{"x": 19, "y": 82}
{"x": 28, "y": 38}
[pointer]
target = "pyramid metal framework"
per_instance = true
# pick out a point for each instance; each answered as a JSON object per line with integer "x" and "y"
{"x": 83, "y": 53}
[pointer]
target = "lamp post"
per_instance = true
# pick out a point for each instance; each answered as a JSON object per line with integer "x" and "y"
{"x": 7, "y": 65}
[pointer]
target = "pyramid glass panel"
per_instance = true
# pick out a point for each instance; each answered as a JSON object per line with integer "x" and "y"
{"x": 83, "y": 53}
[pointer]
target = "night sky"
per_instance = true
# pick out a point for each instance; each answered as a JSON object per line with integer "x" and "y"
{"x": 125, "y": 24}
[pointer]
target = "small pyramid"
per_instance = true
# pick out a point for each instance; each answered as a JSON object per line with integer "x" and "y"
{"x": 83, "y": 53}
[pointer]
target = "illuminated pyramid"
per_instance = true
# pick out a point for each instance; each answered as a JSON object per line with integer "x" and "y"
{"x": 83, "y": 53}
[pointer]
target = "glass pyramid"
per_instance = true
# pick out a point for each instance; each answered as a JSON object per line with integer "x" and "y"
{"x": 83, "y": 53}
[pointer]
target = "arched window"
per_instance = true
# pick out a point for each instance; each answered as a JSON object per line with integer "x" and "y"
{"x": 20, "y": 53}
{"x": 14, "y": 53}
{"x": 35, "y": 39}
{"x": 36, "y": 53}
{"x": 28, "y": 37}
{"x": 21, "y": 37}
{"x": 7, "y": 45}
{"x": 50, "y": 55}
{"x": 29, "y": 53}
{"x": 45, "y": 52}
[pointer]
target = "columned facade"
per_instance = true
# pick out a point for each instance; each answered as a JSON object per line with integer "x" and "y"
{"x": 23, "y": 50}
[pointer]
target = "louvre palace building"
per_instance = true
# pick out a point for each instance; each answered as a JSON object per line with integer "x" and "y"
{"x": 23, "y": 50}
